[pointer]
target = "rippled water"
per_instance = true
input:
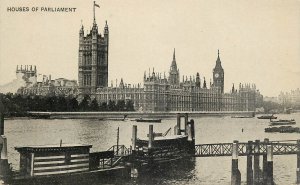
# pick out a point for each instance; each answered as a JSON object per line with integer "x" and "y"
{"x": 103, "y": 134}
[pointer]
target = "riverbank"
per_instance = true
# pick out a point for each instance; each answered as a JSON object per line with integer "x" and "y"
{"x": 97, "y": 115}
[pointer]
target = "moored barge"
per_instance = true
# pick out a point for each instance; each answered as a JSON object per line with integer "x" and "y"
{"x": 156, "y": 149}
{"x": 282, "y": 122}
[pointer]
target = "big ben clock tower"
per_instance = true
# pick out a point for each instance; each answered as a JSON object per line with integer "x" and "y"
{"x": 218, "y": 74}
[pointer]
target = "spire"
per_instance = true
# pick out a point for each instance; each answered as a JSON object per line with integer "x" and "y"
{"x": 82, "y": 28}
{"x": 174, "y": 58}
{"x": 204, "y": 84}
{"x": 106, "y": 28}
{"x": 218, "y": 62}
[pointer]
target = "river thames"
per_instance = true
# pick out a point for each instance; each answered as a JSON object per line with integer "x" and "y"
{"x": 103, "y": 134}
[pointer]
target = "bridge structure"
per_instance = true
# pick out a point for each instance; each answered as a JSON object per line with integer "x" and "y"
{"x": 253, "y": 151}
{"x": 225, "y": 149}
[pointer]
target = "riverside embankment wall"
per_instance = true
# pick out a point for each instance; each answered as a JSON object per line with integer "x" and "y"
{"x": 97, "y": 115}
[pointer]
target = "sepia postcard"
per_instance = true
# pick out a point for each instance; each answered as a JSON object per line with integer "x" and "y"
{"x": 150, "y": 92}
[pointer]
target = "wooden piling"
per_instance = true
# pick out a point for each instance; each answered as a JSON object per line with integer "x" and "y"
{"x": 118, "y": 137}
{"x": 4, "y": 166}
{"x": 298, "y": 162}
{"x": 134, "y": 136}
{"x": 178, "y": 124}
{"x": 175, "y": 130}
{"x": 266, "y": 142}
{"x": 1, "y": 123}
{"x": 256, "y": 175}
{"x": 192, "y": 129}
{"x": 189, "y": 132}
{"x": 186, "y": 119}
{"x": 249, "y": 164}
{"x": 151, "y": 137}
{"x": 1, "y": 118}
{"x": 235, "y": 173}
{"x": 269, "y": 180}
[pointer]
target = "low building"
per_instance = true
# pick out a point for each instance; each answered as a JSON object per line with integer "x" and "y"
{"x": 43, "y": 85}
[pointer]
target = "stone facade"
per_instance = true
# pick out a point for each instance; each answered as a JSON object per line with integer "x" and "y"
{"x": 45, "y": 86}
{"x": 161, "y": 93}
{"x": 93, "y": 59}
{"x": 291, "y": 99}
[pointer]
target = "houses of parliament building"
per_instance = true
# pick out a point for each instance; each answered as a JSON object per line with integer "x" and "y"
{"x": 157, "y": 93}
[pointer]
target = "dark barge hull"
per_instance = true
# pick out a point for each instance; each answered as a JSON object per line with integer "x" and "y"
{"x": 101, "y": 176}
{"x": 149, "y": 120}
{"x": 282, "y": 123}
{"x": 267, "y": 117}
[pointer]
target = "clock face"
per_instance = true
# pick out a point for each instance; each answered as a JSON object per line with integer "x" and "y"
{"x": 217, "y": 75}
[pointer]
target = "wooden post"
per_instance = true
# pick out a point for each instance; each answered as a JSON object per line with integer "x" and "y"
{"x": 4, "y": 166}
{"x": 151, "y": 137}
{"x": 4, "y": 147}
{"x": 189, "y": 132}
{"x": 134, "y": 136}
{"x": 256, "y": 162}
{"x": 266, "y": 142}
{"x": 269, "y": 165}
{"x": 118, "y": 132}
{"x": 1, "y": 118}
{"x": 178, "y": 124}
{"x": 249, "y": 164}
{"x": 192, "y": 129}
{"x": 235, "y": 173}
{"x": 298, "y": 163}
{"x": 1, "y": 123}
{"x": 186, "y": 119}
{"x": 32, "y": 165}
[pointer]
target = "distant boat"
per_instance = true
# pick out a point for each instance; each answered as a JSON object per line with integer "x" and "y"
{"x": 148, "y": 120}
{"x": 267, "y": 117}
{"x": 241, "y": 116}
{"x": 113, "y": 119}
{"x": 283, "y": 122}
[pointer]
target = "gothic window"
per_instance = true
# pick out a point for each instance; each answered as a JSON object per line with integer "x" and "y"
{"x": 98, "y": 61}
{"x": 84, "y": 79}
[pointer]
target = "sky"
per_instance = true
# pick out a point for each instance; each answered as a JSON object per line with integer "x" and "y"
{"x": 259, "y": 40}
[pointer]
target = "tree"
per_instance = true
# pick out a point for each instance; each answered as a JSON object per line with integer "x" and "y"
{"x": 61, "y": 104}
{"x": 129, "y": 105}
{"x": 72, "y": 104}
{"x": 84, "y": 104}
{"x": 111, "y": 106}
{"x": 94, "y": 105}
{"x": 120, "y": 106}
{"x": 271, "y": 107}
{"x": 103, "y": 106}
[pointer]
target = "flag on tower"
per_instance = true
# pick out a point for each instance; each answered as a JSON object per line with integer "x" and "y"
{"x": 96, "y": 5}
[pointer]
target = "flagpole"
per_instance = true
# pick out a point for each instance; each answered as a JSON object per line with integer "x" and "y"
{"x": 94, "y": 11}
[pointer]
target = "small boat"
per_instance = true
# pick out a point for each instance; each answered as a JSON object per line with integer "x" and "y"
{"x": 113, "y": 119}
{"x": 283, "y": 122}
{"x": 148, "y": 120}
{"x": 267, "y": 117}
{"x": 241, "y": 116}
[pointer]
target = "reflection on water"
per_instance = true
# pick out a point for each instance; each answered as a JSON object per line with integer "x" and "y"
{"x": 103, "y": 134}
